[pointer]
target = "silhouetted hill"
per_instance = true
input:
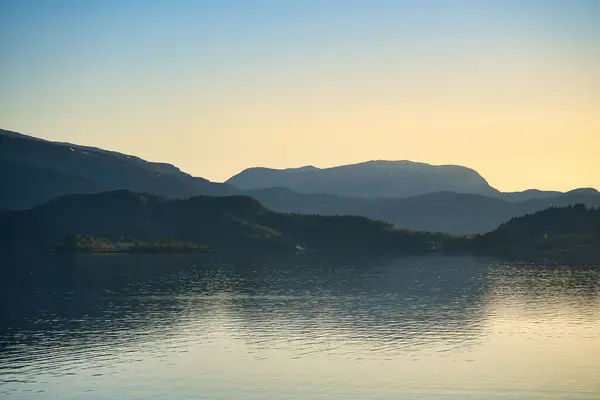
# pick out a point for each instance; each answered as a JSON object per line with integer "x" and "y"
{"x": 103, "y": 169}
{"x": 221, "y": 222}
{"x": 449, "y": 212}
{"x": 372, "y": 179}
{"x": 571, "y": 232}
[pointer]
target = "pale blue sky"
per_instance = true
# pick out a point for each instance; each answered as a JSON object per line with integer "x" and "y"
{"x": 218, "y": 86}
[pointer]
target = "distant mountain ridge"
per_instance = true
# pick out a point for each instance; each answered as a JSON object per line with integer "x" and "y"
{"x": 382, "y": 179}
{"x": 371, "y": 179}
{"x": 449, "y": 212}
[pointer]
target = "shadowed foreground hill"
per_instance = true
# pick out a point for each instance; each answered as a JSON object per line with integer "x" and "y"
{"x": 566, "y": 232}
{"x": 221, "y": 222}
{"x": 241, "y": 222}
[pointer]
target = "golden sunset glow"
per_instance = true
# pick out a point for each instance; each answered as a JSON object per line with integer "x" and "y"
{"x": 510, "y": 90}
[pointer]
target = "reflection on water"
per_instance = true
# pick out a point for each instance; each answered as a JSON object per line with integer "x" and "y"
{"x": 266, "y": 327}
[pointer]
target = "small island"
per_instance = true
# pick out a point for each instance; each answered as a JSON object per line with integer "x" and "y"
{"x": 89, "y": 244}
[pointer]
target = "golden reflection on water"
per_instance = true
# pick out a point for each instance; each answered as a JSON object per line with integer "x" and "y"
{"x": 422, "y": 328}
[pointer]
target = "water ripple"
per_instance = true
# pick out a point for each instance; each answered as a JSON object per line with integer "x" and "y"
{"x": 177, "y": 327}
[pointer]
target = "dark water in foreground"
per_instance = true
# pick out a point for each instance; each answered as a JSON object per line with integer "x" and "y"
{"x": 242, "y": 327}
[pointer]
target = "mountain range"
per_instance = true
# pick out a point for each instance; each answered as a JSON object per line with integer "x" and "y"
{"x": 417, "y": 196}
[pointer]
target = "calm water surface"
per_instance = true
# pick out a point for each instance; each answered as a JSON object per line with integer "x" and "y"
{"x": 304, "y": 327}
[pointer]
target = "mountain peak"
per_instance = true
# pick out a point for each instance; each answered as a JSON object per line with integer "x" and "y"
{"x": 374, "y": 178}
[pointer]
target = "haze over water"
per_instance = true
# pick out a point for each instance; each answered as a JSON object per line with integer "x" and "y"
{"x": 318, "y": 327}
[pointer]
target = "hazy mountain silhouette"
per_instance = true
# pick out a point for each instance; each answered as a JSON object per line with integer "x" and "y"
{"x": 370, "y": 179}
{"x": 103, "y": 170}
{"x": 449, "y": 212}
{"x": 530, "y": 194}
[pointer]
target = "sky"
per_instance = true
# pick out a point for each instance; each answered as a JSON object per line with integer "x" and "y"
{"x": 509, "y": 88}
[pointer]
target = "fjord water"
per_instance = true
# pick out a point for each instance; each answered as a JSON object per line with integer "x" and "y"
{"x": 297, "y": 327}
